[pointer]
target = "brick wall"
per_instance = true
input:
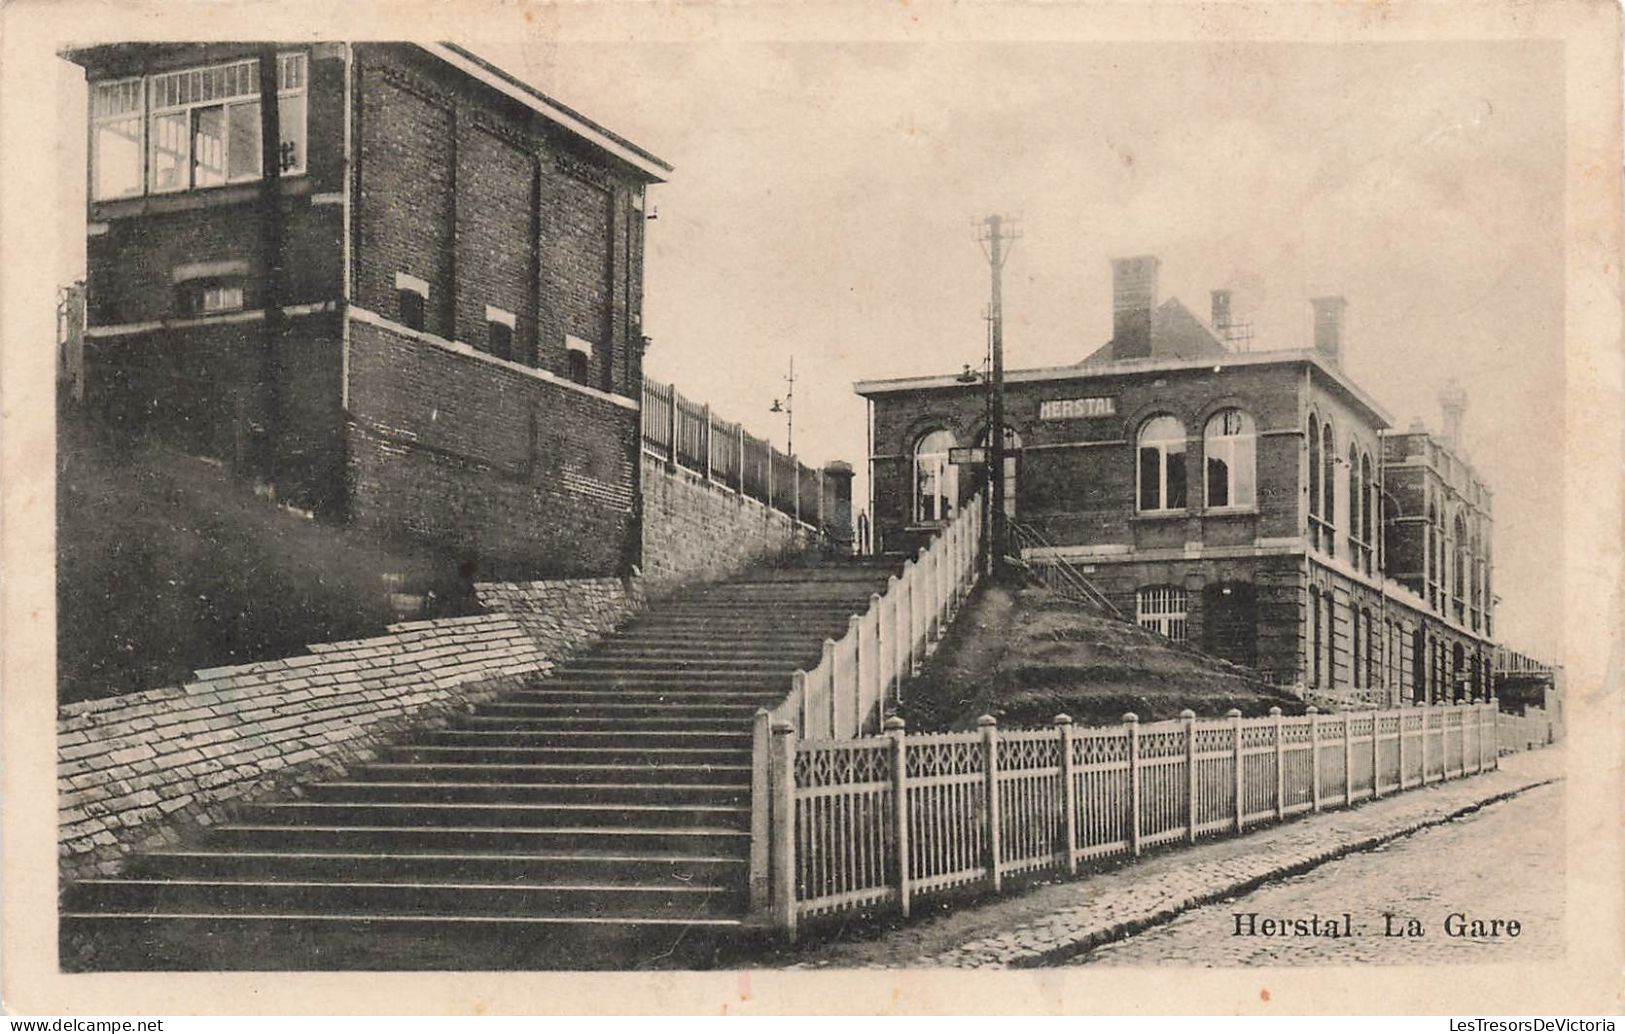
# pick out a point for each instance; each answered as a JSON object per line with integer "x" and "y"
{"x": 695, "y": 530}
{"x": 517, "y": 474}
{"x": 151, "y": 768}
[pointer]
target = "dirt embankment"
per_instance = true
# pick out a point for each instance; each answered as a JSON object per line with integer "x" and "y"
{"x": 1024, "y": 655}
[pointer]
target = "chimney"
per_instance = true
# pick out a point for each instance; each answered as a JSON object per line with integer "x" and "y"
{"x": 1221, "y": 311}
{"x": 1329, "y": 325}
{"x": 1453, "y": 405}
{"x": 1134, "y": 295}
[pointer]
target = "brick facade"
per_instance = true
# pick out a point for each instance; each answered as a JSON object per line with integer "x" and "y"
{"x": 1265, "y": 585}
{"x": 501, "y": 202}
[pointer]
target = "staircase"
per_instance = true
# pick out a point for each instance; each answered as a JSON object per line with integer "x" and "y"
{"x": 598, "y": 817}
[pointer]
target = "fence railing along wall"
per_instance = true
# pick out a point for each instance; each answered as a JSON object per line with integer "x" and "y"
{"x": 881, "y": 820}
{"x": 686, "y": 434}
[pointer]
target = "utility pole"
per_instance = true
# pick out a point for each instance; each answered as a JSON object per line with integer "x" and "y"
{"x": 994, "y": 235}
{"x": 787, "y": 406}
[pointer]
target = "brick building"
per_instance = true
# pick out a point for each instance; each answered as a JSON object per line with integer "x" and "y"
{"x": 423, "y": 318}
{"x": 1253, "y": 502}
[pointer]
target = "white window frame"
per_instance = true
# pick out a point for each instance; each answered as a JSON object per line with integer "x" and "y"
{"x": 139, "y": 114}
{"x": 944, "y": 475}
{"x": 1164, "y": 447}
{"x": 1163, "y": 609}
{"x": 1237, "y": 449}
{"x": 291, "y": 65}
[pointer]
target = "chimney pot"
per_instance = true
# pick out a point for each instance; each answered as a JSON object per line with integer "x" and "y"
{"x": 1221, "y": 310}
{"x": 1329, "y": 325}
{"x": 1134, "y": 296}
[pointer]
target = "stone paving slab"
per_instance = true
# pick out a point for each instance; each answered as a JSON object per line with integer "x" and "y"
{"x": 1074, "y": 916}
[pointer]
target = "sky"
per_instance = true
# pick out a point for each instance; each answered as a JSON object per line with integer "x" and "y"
{"x": 825, "y": 201}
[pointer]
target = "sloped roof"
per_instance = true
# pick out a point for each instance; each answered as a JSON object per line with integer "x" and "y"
{"x": 1176, "y": 333}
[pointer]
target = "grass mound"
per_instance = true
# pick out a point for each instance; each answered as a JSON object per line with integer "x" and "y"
{"x": 1024, "y": 655}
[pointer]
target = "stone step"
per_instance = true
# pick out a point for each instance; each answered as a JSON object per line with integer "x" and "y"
{"x": 668, "y": 679}
{"x": 667, "y": 773}
{"x": 504, "y": 815}
{"x": 589, "y": 719}
{"x": 587, "y": 754}
{"x": 514, "y": 792}
{"x": 710, "y": 664}
{"x": 711, "y": 841}
{"x": 631, "y": 738}
{"x": 607, "y": 707}
{"x": 203, "y": 895}
{"x": 542, "y": 867}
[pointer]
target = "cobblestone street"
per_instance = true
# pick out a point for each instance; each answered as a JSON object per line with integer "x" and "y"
{"x": 1423, "y": 853}
{"x": 1461, "y": 867}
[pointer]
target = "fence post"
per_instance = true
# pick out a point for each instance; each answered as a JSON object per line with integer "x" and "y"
{"x": 854, "y": 632}
{"x": 761, "y": 746}
{"x": 739, "y": 458}
{"x": 706, "y": 447}
{"x": 1132, "y": 721}
{"x": 1234, "y": 714}
{"x": 1189, "y": 718}
{"x": 1495, "y": 732}
{"x": 886, "y": 642}
{"x": 784, "y": 837}
{"x": 1376, "y": 754}
{"x": 905, "y": 625}
{"x": 990, "y": 769}
{"x": 828, "y": 666}
{"x": 1280, "y": 767}
{"x": 1314, "y": 756}
{"x": 1069, "y": 813}
{"x": 767, "y": 448}
{"x": 899, "y": 788}
{"x": 876, "y": 686}
{"x": 798, "y": 693}
{"x": 1348, "y": 762}
{"x": 795, "y": 468}
{"x": 672, "y": 424}
{"x": 1399, "y": 745}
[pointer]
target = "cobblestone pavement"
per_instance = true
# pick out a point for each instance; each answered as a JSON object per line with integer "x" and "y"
{"x": 1058, "y": 921}
{"x": 1460, "y": 867}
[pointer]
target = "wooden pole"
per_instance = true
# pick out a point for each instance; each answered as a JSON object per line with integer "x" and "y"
{"x": 1189, "y": 718}
{"x": 1280, "y": 767}
{"x": 1234, "y": 714}
{"x": 784, "y": 839}
{"x": 761, "y": 806}
{"x": 1348, "y": 762}
{"x": 1069, "y": 806}
{"x": 899, "y": 776}
{"x": 1132, "y": 722}
{"x": 990, "y": 789}
{"x": 1314, "y": 756}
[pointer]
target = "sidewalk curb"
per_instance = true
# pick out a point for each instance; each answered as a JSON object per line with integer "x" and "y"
{"x": 1087, "y": 940}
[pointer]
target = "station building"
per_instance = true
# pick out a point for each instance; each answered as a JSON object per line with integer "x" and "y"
{"x": 421, "y": 316}
{"x": 1256, "y": 503}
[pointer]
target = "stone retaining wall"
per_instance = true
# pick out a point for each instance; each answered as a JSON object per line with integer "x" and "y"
{"x": 151, "y": 768}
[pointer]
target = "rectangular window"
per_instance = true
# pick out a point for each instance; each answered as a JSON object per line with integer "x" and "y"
{"x": 202, "y": 128}
{"x": 221, "y": 298}
{"x": 1163, "y": 609}
{"x": 499, "y": 339}
{"x": 412, "y": 308}
{"x": 116, "y": 142}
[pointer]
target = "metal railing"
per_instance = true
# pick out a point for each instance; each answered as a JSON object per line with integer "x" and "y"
{"x": 684, "y": 433}
{"x": 880, "y": 820}
{"x": 1057, "y": 573}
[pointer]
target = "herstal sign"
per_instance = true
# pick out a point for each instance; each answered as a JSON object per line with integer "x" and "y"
{"x": 1077, "y": 409}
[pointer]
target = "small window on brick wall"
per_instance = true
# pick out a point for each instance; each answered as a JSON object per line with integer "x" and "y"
{"x": 211, "y": 297}
{"x": 413, "y": 295}
{"x": 499, "y": 324}
{"x": 579, "y": 357}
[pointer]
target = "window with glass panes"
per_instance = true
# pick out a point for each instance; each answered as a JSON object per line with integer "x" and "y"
{"x": 194, "y": 128}
{"x": 1162, "y": 464}
{"x": 1229, "y": 450}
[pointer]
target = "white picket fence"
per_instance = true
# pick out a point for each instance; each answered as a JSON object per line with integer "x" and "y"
{"x": 859, "y": 675}
{"x": 879, "y": 820}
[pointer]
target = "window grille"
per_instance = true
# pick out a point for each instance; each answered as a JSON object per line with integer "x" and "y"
{"x": 1163, "y": 609}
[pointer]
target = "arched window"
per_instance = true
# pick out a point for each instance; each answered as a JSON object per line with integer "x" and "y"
{"x": 1162, "y": 609}
{"x": 1372, "y": 514}
{"x": 1328, "y": 485}
{"x": 1459, "y": 582}
{"x": 936, "y": 481}
{"x": 1355, "y": 532}
{"x": 1314, "y": 466}
{"x": 1162, "y": 464}
{"x": 1229, "y": 445}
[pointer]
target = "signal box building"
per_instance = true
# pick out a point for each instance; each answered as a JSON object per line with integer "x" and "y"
{"x": 1254, "y": 503}
{"x": 409, "y": 299}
